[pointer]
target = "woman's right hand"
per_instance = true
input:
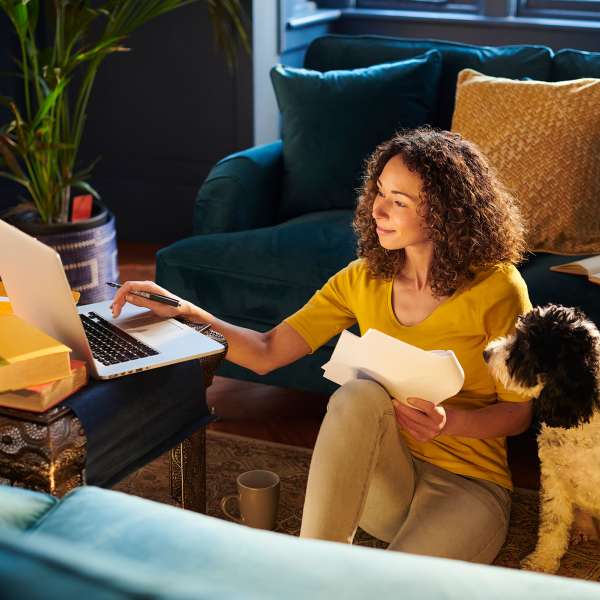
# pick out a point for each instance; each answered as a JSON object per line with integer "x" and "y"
{"x": 158, "y": 308}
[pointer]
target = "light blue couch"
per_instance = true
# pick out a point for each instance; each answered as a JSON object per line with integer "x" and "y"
{"x": 97, "y": 544}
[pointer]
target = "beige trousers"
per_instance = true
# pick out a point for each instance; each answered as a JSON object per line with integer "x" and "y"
{"x": 362, "y": 473}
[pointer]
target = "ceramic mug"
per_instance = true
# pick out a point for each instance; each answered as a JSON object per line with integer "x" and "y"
{"x": 258, "y": 498}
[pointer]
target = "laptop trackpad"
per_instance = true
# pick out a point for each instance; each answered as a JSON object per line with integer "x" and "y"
{"x": 152, "y": 330}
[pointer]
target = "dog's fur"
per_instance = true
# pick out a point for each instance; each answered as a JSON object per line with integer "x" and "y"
{"x": 554, "y": 357}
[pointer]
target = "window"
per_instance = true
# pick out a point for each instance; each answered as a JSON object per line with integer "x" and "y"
{"x": 548, "y": 9}
{"x": 560, "y": 9}
{"x": 460, "y": 6}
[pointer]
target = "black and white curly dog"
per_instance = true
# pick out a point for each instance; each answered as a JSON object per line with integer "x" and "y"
{"x": 554, "y": 357}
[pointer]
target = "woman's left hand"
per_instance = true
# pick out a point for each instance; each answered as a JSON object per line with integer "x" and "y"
{"x": 423, "y": 422}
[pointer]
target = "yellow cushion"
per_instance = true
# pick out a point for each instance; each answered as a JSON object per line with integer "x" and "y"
{"x": 543, "y": 139}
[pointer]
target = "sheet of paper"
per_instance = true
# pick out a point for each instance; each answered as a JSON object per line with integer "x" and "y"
{"x": 402, "y": 369}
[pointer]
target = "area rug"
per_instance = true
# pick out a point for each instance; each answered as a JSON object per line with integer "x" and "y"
{"x": 229, "y": 455}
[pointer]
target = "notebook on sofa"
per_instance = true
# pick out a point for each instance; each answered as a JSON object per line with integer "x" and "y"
{"x": 589, "y": 267}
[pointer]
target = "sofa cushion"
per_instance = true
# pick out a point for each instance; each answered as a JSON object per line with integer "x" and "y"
{"x": 542, "y": 139}
{"x": 22, "y": 508}
{"x": 259, "y": 276}
{"x": 332, "y": 121}
{"x": 355, "y": 51}
{"x": 573, "y": 64}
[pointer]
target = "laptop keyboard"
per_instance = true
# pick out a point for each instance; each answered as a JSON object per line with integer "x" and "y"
{"x": 111, "y": 345}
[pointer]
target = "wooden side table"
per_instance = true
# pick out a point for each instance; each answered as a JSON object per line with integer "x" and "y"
{"x": 47, "y": 451}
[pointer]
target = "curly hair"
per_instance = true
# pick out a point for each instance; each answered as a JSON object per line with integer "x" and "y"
{"x": 472, "y": 220}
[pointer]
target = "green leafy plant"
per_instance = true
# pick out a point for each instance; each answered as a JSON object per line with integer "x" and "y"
{"x": 39, "y": 146}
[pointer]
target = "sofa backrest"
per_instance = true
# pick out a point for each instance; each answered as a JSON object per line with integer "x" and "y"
{"x": 572, "y": 64}
{"x": 356, "y": 51}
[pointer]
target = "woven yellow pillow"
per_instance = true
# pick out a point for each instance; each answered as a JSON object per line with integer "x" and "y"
{"x": 543, "y": 139}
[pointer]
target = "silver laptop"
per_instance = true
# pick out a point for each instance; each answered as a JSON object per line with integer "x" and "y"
{"x": 137, "y": 340}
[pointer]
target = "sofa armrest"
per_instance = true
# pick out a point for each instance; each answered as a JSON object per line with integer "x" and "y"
{"x": 241, "y": 192}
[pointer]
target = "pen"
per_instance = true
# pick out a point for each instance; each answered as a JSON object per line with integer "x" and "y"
{"x": 149, "y": 295}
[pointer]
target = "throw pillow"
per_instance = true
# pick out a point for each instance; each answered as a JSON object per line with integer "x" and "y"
{"x": 332, "y": 121}
{"x": 543, "y": 139}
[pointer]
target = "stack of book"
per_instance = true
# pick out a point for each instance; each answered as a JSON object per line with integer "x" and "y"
{"x": 36, "y": 371}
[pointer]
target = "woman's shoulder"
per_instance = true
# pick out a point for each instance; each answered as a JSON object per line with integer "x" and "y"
{"x": 500, "y": 295}
{"x": 356, "y": 268}
{"x": 501, "y": 279}
{"x": 356, "y": 274}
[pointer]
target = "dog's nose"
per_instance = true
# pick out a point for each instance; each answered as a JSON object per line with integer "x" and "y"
{"x": 486, "y": 355}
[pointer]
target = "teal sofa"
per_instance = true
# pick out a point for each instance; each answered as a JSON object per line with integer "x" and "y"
{"x": 97, "y": 544}
{"x": 252, "y": 263}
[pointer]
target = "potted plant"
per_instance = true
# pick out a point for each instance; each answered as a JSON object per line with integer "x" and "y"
{"x": 39, "y": 145}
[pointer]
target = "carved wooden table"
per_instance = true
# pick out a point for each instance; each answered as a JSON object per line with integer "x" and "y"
{"x": 47, "y": 451}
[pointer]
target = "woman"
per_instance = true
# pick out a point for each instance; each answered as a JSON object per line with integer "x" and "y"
{"x": 437, "y": 241}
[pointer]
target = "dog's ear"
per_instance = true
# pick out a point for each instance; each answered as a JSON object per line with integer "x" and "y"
{"x": 570, "y": 394}
{"x": 562, "y": 405}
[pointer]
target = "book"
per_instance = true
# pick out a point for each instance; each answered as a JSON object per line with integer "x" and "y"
{"x": 29, "y": 356}
{"x": 589, "y": 267}
{"x": 41, "y": 397}
{"x": 404, "y": 370}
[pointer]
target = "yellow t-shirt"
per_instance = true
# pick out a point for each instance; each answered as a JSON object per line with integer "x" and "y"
{"x": 485, "y": 309}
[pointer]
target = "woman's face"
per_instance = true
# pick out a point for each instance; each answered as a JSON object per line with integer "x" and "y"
{"x": 395, "y": 207}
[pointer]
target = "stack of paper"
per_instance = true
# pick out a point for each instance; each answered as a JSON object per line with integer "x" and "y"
{"x": 404, "y": 370}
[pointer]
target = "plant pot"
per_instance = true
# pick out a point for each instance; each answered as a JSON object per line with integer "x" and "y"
{"x": 87, "y": 248}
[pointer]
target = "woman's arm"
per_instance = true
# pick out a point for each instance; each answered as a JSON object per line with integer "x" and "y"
{"x": 260, "y": 352}
{"x": 498, "y": 420}
{"x": 426, "y": 421}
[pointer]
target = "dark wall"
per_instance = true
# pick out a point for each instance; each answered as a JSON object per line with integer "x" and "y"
{"x": 160, "y": 116}
{"x": 8, "y": 87}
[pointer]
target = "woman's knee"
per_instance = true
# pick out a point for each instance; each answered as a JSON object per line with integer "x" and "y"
{"x": 360, "y": 397}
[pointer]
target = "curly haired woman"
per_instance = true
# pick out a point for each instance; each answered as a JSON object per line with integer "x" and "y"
{"x": 438, "y": 238}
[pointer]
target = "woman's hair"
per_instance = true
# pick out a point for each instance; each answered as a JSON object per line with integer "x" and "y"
{"x": 472, "y": 220}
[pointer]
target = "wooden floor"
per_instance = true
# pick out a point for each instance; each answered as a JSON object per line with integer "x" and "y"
{"x": 288, "y": 416}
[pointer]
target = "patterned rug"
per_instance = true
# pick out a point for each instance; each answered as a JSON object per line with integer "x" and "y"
{"x": 229, "y": 455}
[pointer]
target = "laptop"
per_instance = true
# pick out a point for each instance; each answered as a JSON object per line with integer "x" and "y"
{"x": 137, "y": 340}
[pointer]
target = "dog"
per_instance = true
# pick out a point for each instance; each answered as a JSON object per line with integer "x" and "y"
{"x": 553, "y": 357}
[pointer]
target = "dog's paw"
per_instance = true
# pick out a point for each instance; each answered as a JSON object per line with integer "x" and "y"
{"x": 542, "y": 564}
